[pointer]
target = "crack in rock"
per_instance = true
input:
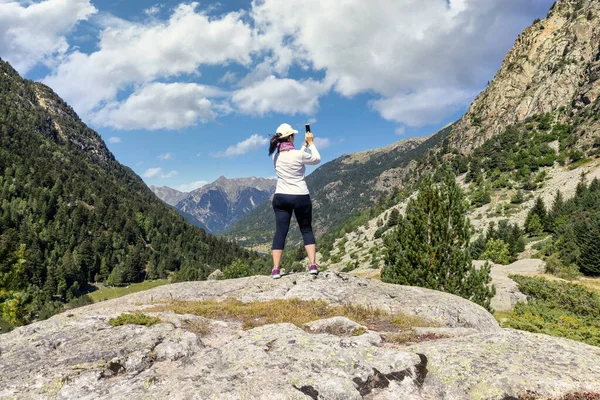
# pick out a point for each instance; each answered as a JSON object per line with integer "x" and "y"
{"x": 309, "y": 391}
{"x": 381, "y": 381}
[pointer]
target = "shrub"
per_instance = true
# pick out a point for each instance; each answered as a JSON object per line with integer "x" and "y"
{"x": 497, "y": 251}
{"x": 237, "y": 269}
{"x": 555, "y": 266}
{"x": 557, "y": 309}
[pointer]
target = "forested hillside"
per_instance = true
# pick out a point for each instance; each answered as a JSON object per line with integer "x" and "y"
{"x": 71, "y": 214}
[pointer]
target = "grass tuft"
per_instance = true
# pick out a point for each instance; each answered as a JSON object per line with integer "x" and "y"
{"x": 295, "y": 311}
{"x": 134, "y": 319}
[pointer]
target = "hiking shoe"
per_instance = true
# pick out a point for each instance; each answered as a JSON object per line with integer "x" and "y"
{"x": 313, "y": 269}
{"x": 275, "y": 273}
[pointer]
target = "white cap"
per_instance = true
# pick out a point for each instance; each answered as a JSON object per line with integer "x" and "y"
{"x": 285, "y": 130}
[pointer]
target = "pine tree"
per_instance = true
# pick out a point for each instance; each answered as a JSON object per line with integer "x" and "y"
{"x": 589, "y": 246}
{"x": 394, "y": 217}
{"x": 429, "y": 247}
{"x": 539, "y": 209}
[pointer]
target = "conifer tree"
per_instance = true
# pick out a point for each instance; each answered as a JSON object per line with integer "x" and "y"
{"x": 394, "y": 217}
{"x": 429, "y": 247}
{"x": 589, "y": 245}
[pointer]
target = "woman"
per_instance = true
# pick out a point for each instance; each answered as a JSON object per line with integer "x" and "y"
{"x": 291, "y": 194}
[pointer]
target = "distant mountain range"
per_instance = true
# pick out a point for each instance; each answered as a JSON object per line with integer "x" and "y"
{"x": 218, "y": 205}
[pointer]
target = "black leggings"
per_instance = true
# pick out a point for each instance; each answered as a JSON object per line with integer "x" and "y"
{"x": 301, "y": 206}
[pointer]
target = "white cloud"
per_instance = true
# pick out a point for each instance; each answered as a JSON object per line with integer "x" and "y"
{"x": 426, "y": 106}
{"x": 134, "y": 53}
{"x": 160, "y": 106}
{"x": 399, "y": 52}
{"x": 158, "y": 173}
{"x": 114, "y": 139}
{"x": 152, "y": 11}
{"x": 400, "y": 131}
{"x": 286, "y": 96}
{"x": 33, "y": 32}
{"x": 229, "y": 77}
{"x": 394, "y": 47}
{"x": 188, "y": 187}
{"x": 166, "y": 156}
{"x": 322, "y": 143}
{"x": 253, "y": 143}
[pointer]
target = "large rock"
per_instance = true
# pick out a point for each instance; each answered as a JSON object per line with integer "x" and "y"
{"x": 507, "y": 291}
{"x": 508, "y": 363}
{"x": 78, "y": 355}
{"x": 335, "y": 288}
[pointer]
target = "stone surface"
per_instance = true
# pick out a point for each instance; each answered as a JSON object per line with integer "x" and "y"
{"x": 215, "y": 275}
{"x": 508, "y": 363}
{"x": 507, "y": 291}
{"x": 335, "y": 288}
{"x": 341, "y": 326}
{"x": 78, "y": 355}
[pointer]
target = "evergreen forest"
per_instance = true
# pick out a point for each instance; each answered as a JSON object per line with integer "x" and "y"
{"x": 71, "y": 214}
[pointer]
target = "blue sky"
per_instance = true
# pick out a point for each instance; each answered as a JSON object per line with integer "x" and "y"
{"x": 186, "y": 92}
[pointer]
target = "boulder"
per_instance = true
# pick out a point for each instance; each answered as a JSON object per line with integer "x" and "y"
{"x": 79, "y": 355}
{"x": 215, "y": 275}
{"x": 334, "y": 287}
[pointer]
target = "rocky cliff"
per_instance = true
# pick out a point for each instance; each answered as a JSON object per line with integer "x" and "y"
{"x": 554, "y": 67}
{"x": 79, "y": 355}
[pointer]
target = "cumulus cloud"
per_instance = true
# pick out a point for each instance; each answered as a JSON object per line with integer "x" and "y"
{"x": 188, "y": 187}
{"x": 166, "y": 156}
{"x": 253, "y": 143}
{"x": 158, "y": 173}
{"x": 114, "y": 139}
{"x": 33, "y": 32}
{"x": 390, "y": 47}
{"x": 160, "y": 106}
{"x": 421, "y": 60}
{"x": 322, "y": 143}
{"x": 428, "y": 105}
{"x": 281, "y": 95}
{"x": 135, "y": 53}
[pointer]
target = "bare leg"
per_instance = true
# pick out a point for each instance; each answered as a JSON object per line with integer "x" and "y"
{"x": 311, "y": 251}
{"x": 277, "y": 254}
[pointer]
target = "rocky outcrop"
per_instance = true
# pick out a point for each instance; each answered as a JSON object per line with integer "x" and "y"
{"x": 78, "y": 355}
{"x": 555, "y": 63}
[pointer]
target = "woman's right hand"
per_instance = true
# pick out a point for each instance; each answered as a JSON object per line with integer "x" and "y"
{"x": 308, "y": 138}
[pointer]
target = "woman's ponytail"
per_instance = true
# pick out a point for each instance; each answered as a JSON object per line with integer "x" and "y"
{"x": 274, "y": 142}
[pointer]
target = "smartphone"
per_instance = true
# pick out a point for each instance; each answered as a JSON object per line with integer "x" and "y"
{"x": 307, "y": 126}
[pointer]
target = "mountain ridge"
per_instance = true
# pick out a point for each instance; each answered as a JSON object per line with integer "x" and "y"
{"x": 218, "y": 205}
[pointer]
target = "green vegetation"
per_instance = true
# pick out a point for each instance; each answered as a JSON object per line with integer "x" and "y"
{"x": 500, "y": 244}
{"x": 109, "y": 293}
{"x": 238, "y": 269}
{"x": 134, "y": 319}
{"x": 575, "y": 228}
{"x": 72, "y": 215}
{"x": 295, "y": 311}
{"x": 557, "y": 309}
{"x": 429, "y": 247}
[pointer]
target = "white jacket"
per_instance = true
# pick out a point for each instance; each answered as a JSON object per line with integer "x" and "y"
{"x": 290, "y": 168}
